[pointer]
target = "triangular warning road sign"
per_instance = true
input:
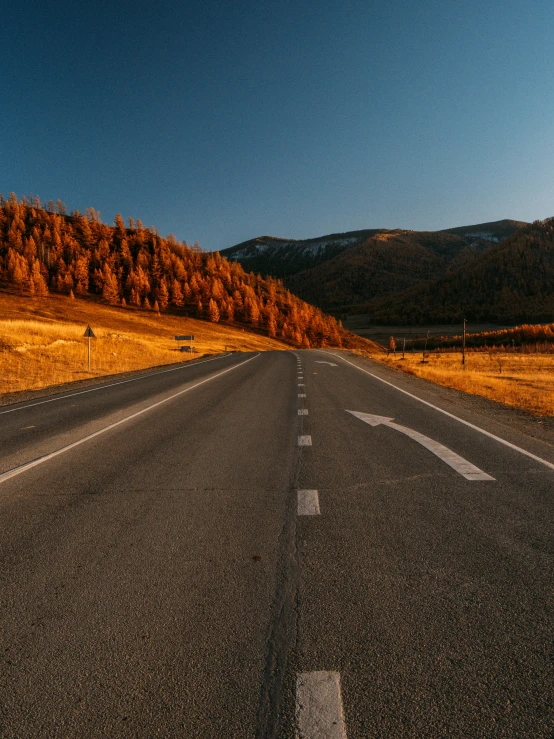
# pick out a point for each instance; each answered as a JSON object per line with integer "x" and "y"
{"x": 89, "y": 332}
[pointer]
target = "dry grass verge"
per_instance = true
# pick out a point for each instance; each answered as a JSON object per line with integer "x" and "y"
{"x": 521, "y": 380}
{"x": 42, "y": 341}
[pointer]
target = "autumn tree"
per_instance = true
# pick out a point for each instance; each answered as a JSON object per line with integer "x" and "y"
{"x": 230, "y": 311}
{"x": 162, "y": 294}
{"x": 177, "y": 297}
{"x": 110, "y": 289}
{"x": 271, "y": 325}
{"x": 213, "y": 311}
{"x": 252, "y": 311}
{"x": 40, "y": 288}
{"x": 42, "y": 249}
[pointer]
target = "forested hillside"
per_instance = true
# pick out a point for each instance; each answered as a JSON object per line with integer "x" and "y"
{"x": 44, "y": 249}
{"x": 383, "y": 264}
{"x": 344, "y": 272}
{"x": 269, "y": 255}
{"x": 511, "y": 282}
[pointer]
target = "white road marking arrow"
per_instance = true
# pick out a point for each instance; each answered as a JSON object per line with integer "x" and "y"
{"x": 317, "y": 361}
{"x": 461, "y": 465}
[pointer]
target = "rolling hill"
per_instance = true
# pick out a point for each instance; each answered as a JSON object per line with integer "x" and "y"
{"x": 269, "y": 255}
{"x": 512, "y": 281}
{"x": 45, "y": 250}
{"x": 344, "y": 272}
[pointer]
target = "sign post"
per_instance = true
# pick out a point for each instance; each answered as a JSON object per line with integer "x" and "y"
{"x": 185, "y": 338}
{"x": 89, "y": 333}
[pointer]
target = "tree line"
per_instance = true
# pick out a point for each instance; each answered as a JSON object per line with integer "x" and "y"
{"x": 44, "y": 249}
{"x": 527, "y": 338}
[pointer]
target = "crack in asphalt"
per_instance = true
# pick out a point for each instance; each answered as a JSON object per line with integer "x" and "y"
{"x": 275, "y": 705}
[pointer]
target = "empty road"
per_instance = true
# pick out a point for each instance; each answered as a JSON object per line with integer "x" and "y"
{"x": 288, "y": 544}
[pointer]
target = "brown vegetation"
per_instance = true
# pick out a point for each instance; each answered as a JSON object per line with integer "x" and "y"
{"x": 42, "y": 340}
{"x": 348, "y": 272}
{"x": 526, "y": 338}
{"x": 522, "y": 380}
{"x": 46, "y": 250}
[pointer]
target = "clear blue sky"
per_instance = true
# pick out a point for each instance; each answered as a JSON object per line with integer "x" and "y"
{"x": 221, "y": 121}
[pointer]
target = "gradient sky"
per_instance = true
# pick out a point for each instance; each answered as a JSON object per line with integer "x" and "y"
{"x": 221, "y": 121}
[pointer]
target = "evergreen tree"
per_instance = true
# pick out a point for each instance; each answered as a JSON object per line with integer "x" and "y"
{"x": 213, "y": 311}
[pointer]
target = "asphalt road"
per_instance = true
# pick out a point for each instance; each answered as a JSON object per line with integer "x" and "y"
{"x": 159, "y": 577}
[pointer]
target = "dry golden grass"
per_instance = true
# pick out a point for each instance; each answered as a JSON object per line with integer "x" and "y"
{"x": 521, "y": 380}
{"x": 42, "y": 342}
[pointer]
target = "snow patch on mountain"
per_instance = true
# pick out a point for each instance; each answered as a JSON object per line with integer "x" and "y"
{"x": 485, "y": 235}
{"x": 313, "y": 247}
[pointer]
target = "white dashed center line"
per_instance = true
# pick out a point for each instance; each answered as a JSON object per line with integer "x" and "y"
{"x": 301, "y": 395}
{"x": 304, "y": 441}
{"x": 300, "y": 384}
{"x": 319, "y": 712}
{"x": 308, "y": 503}
{"x": 302, "y": 411}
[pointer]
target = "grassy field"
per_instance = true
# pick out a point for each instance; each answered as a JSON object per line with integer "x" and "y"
{"x": 521, "y": 380}
{"x": 42, "y": 341}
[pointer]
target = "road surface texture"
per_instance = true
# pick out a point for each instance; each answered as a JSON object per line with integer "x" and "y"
{"x": 226, "y": 549}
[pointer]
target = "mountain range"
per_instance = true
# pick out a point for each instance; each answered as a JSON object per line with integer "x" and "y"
{"x": 489, "y": 271}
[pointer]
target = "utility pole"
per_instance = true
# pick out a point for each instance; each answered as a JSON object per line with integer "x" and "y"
{"x": 464, "y": 346}
{"x": 425, "y": 348}
{"x": 404, "y": 348}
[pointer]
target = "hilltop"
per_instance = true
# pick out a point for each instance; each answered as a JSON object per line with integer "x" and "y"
{"x": 495, "y": 232}
{"x": 344, "y": 272}
{"x": 269, "y": 255}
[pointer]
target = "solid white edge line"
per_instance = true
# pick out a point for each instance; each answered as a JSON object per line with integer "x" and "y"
{"x": 451, "y": 415}
{"x": 308, "y": 503}
{"x": 319, "y": 711}
{"x": 29, "y": 465}
{"x": 112, "y": 384}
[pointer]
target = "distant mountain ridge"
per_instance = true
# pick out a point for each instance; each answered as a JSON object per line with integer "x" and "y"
{"x": 282, "y": 257}
{"x": 512, "y": 281}
{"x": 494, "y": 232}
{"x": 345, "y": 272}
